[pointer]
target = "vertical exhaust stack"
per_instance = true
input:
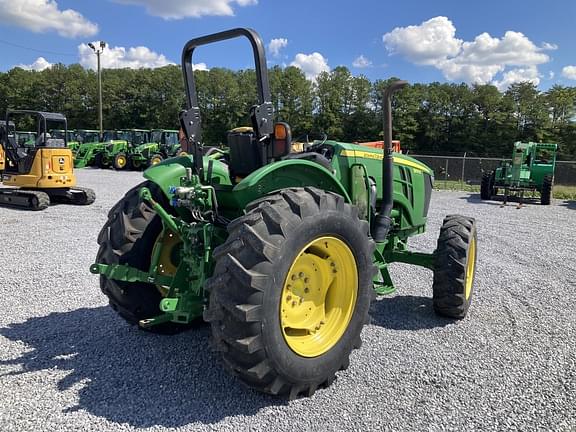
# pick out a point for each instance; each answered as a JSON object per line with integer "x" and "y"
{"x": 383, "y": 222}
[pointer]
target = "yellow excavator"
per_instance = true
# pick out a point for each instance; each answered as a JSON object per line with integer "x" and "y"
{"x": 34, "y": 174}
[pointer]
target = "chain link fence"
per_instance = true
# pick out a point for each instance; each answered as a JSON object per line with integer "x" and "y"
{"x": 469, "y": 169}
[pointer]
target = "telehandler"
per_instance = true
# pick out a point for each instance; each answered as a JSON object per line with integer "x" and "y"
{"x": 280, "y": 252}
{"x": 531, "y": 169}
{"x": 40, "y": 173}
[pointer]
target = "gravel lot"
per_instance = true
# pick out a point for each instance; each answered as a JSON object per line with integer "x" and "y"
{"x": 67, "y": 362}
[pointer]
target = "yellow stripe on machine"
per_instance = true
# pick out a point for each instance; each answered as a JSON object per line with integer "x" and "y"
{"x": 380, "y": 156}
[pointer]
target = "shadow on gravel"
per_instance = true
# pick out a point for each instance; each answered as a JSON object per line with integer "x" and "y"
{"x": 498, "y": 200}
{"x": 569, "y": 204}
{"x": 129, "y": 376}
{"x": 406, "y": 313}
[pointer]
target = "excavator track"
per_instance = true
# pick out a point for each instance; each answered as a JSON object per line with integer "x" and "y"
{"x": 75, "y": 195}
{"x": 24, "y": 199}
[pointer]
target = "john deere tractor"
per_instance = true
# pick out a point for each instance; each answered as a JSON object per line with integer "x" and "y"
{"x": 115, "y": 152}
{"x": 39, "y": 173}
{"x": 280, "y": 252}
{"x": 88, "y": 146}
{"x": 531, "y": 169}
{"x": 163, "y": 144}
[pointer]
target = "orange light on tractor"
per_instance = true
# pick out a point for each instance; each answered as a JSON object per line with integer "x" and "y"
{"x": 280, "y": 131}
{"x": 282, "y": 140}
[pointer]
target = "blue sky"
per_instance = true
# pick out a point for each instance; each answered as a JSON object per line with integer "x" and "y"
{"x": 497, "y": 42}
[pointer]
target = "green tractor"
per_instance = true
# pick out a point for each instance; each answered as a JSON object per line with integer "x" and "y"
{"x": 116, "y": 150}
{"x": 88, "y": 146}
{"x": 163, "y": 144}
{"x": 280, "y": 252}
{"x": 531, "y": 169}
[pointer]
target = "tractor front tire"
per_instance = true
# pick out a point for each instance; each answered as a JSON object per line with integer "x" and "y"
{"x": 487, "y": 185}
{"x": 546, "y": 192}
{"x": 291, "y": 291}
{"x": 128, "y": 238}
{"x": 155, "y": 159}
{"x": 455, "y": 267}
{"x": 120, "y": 161}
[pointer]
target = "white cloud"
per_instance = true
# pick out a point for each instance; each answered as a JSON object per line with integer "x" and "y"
{"x": 121, "y": 57}
{"x": 427, "y": 43}
{"x": 518, "y": 75}
{"x": 179, "y": 9}
{"x": 44, "y": 15}
{"x": 569, "y": 72}
{"x": 39, "y": 65}
{"x": 434, "y": 43}
{"x": 361, "y": 62}
{"x": 549, "y": 46}
{"x": 276, "y": 45}
{"x": 311, "y": 64}
{"x": 551, "y": 75}
{"x": 200, "y": 66}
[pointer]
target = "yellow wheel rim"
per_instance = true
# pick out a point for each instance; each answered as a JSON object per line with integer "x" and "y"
{"x": 319, "y": 296}
{"x": 121, "y": 161}
{"x": 155, "y": 161}
{"x": 168, "y": 259}
{"x": 470, "y": 267}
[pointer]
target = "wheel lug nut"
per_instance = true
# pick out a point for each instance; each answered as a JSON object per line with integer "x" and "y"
{"x": 306, "y": 290}
{"x": 293, "y": 277}
{"x": 306, "y": 280}
{"x": 301, "y": 274}
{"x": 288, "y": 298}
{"x": 293, "y": 303}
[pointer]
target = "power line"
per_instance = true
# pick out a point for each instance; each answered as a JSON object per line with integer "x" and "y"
{"x": 37, "y": 50}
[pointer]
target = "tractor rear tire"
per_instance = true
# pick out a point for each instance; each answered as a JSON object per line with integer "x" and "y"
{"x": 128, "y": 238}
{"x": 487, "y": 186}
{"x": 99, "y": 161}
{"x": 259, "y": 295}
{"x": 135, "y": 164}
{"x": 546, "y": 192}
{"x": 455, "y": 266}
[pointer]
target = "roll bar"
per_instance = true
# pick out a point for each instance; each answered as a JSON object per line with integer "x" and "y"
{"x": 261, "y": 114}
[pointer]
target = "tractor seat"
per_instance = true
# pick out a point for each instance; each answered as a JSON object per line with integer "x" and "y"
{"x": 245, "y": 152}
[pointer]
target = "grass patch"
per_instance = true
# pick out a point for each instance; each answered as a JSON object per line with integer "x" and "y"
{"x": 560, "y": 192}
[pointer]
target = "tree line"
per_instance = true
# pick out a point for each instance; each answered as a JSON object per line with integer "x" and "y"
{"x": 435, "y": 118}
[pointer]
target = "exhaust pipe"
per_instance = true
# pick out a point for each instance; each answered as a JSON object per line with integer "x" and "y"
{"x": 383, "y": 222}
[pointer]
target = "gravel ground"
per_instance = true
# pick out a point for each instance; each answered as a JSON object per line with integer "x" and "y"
{"x": 67, "y": 362}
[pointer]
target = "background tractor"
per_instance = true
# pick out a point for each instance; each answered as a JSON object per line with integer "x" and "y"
{"x": 280, "y": 252}
{"x": 531, "y": 169}
{"x": 114, "y": 152}
{"x": 40, "y": 173}
{"x": 88, "y": 152}
{"x": 163, "y": 144}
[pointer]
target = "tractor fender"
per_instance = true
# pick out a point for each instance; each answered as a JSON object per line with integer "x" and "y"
{"x": 286, "y": 174}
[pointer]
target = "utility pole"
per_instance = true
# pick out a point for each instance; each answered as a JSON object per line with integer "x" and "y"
{"x": 98, "y": 49}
